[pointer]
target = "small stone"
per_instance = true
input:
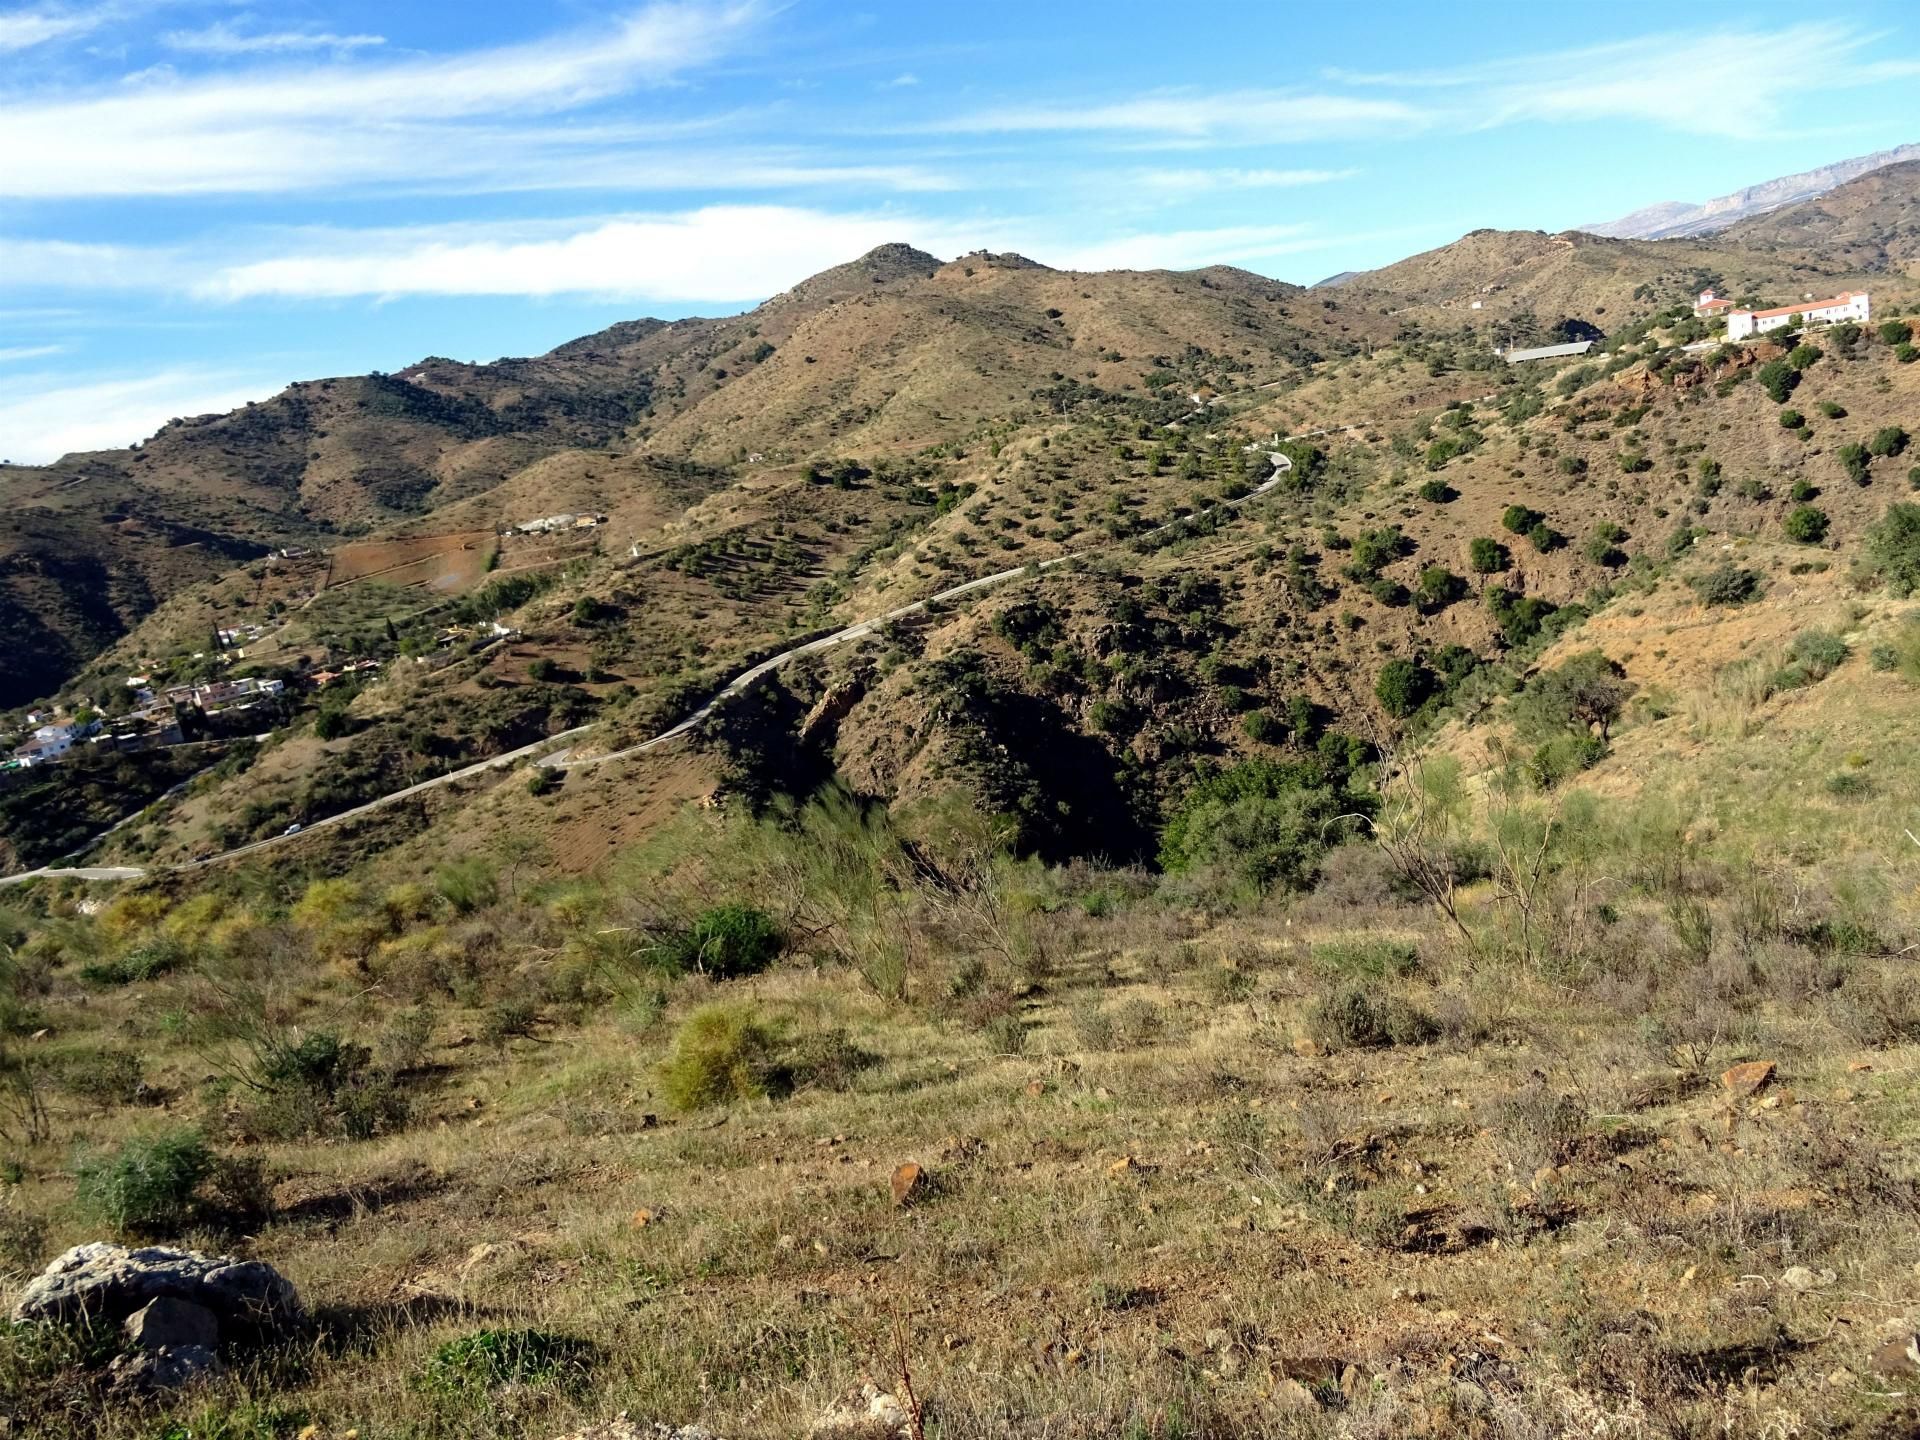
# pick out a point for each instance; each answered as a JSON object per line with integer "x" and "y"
{"x": 1749, "y": 1078}
{"x": 148, "y": 1371}
{"x": 1036, "y": 1088}
{"x": 910, "y": 1183}
{"x": 1100, "y": 1092}
{"x": 1240, "y": 1222}
{"x": 1898, "y": 1358}
{"x": 1307, "y": 1048}
{"x": 1799, "y": 1277}
{"x": 1840, "y": 1379}
{"x": 1855, "y": 1067}
{"x": 786, "y": 1242}
{"x": 644, "y": 1217}
{"x": 1292, "y": 1395}
{"x": 1124, "y": 1166}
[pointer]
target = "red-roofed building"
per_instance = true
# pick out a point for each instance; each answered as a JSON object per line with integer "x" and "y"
{"x": 1852, "y": 305}
{"x": 1710, "y": 304}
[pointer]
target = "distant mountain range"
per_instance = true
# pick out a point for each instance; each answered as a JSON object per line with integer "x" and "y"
{"x": 1674, "y": 218}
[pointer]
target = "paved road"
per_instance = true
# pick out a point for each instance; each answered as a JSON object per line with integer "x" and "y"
{"x": 543, "y": 752}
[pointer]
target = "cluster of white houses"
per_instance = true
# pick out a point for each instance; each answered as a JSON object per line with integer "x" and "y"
{"x": 1849, "y": 305}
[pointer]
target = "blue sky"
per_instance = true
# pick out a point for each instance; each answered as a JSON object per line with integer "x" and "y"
{"x": 202, "y": 200}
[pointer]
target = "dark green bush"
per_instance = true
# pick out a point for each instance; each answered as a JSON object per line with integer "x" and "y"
{"x": 488, "y": 1358}
{"x": 1805, "y": 525}
{"x": 148, "y": 1185}
{"x": 1437, "y": 492}
{"x": 1518, "y": 519}
{"x": 1727, "y": 585}
{"x": 1403, "y": 686}
{"x": 1887, "y": 441}
{"x": 1892, "y": 549}
{"x": 1488, "y": 556}
{"x": 726, "y": 942}
{"x": 147, "y": 961}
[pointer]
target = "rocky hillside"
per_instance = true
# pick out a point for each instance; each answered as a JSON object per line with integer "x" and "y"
{"x": 1673, "y": 219}
{"x": 1871, "y": 224}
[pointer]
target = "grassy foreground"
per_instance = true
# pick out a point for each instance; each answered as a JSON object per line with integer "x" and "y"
{"x": 1195, "y": 1163}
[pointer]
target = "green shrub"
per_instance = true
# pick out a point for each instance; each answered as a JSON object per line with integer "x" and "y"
{"x": 1561, "y": 758}
{"x": 1854, "y": 459}
{"x": 543, "y": 669}
{"x": 1437, "y": 492}
{"x": 1544, "y": 538}
{"x": 1791, "y": 420}
{"x": 1906, "y": 353}
{"x": 1803, "y": 356}
{"x": 1778, "y": 379}
{"x": 1518, "y": 519}
{"x": 721, "y": 1053}
{"x": 1813, "y": 655}
{"x": 1887, "y": 441}
{"x": 487, "y": 1358}
{"x": 1488, "y": 557}
{"x": 1403, "y": 686}
{"x": 1833, "y": 410}
{"x": 1805, "y": 525}
{"x": 726, "y": 942}
{"x": 1265, "y": 822}
{"x": 1892, "y": 549}
{"x": 1727, "y": 585}
{"x": 106, "y": 1077}
{"x": 1263, "y": 729}
{"x": 1895, "y": 332}
{"x": 147, "y": 961}
{"x": 1373, "y": 957}
{"x": 467, "y": 885}
{"x": 1358, "y": 1017}
{"x": 147, "y": 1186}
{"x": 1439, "y": 588}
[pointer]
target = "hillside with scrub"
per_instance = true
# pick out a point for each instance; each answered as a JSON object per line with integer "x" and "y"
{"x": 1391, "y": 911}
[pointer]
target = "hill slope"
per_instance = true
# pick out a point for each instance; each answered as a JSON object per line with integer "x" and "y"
{"x": 1673, "y": 219}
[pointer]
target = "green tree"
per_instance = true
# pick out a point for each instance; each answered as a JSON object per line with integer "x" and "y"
{"x": 1778, "y": 379}
{"x": 1805, "y": 525}
{"x": 1895, "y": 332}
{"x": 1892, "y": 549}
{"x": 1488, "y": 556}
{"x": 1519, "y": 519}
{"x": 1588, "y": 691}
{"x": 1403, "y": 686}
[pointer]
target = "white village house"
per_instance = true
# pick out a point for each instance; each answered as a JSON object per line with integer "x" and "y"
{"x": 1710, "y": 305}
{"x": 1851, "y": 305}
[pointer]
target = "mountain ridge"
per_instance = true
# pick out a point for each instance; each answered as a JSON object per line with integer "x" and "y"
{"x": 1671, "y": 219}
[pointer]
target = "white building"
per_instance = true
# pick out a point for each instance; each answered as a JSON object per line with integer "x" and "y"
{"x": 1853, "y": 305}
{"x": 1711, "y": 306}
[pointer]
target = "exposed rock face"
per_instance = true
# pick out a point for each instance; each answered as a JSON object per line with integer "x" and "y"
{"x": 104, "y": 1281}
{"x": 151, "y": 1370}
{"x": 1675, "y": 217}
{"x": 169, "y": 1324}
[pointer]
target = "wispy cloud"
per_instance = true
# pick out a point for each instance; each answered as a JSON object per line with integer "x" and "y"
{"x": 16, "y": 353}
{"x": 1654, "y": 78}
{"x": 43, "y": 422}
{"x": 902, "y": 81}
{"x": 24, "y": 29}
{"x": 1270, "y": 116}
{"x": 1192, "y": 182}
{"x": 444, "y": 120}
{"x": 722, "y": 253}
{"x": 226, "y": 38}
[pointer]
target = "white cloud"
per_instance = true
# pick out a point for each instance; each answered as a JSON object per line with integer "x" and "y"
{"x": 1189, "y": 249}
{"x": 1190, "y": 182}
{"x": 223, "y": 37}
{"x": 63, "y": 264}
{"x": 1656, "y": 79}
{"x": 902, "y": 81}
{"x": 1267, "y": 116}
{"x": 59, "y": 417}
{"x": 439, "y": 121}
{"x": 23, "y": 29}
{"x": 17, "y": 353}
{"x": 722, "y": 253}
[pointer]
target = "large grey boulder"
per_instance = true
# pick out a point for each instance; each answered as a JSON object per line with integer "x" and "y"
{"x": 169, "y": 1324}
{"x": 104, "y": 1282}
{"x": 149, "y": 1371}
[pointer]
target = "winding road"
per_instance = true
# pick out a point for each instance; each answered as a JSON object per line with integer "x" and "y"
{"x": 542, "y": 752}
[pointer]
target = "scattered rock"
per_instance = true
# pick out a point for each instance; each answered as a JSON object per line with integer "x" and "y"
{"x": 621, "y": 1428}
{"x": 148, "y": 1371}
{"x": 1036, "y": 1088}
{"x": 169, "y": 1324}
{"x": 108, "y": 1282}
{"x": 644, "y": 1217}
{"x": 867, "y": 1413}
{"x": 910, "y": 1183}
{"x": 1799, "y": 1277}
{"x": 1124, "y": 1166}
{"x": 485, "y": 1256}
{"x": 1292, "y": 1395}
{"x": 1899, "y": 1358}
{"x": 1748, "y": 1079}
